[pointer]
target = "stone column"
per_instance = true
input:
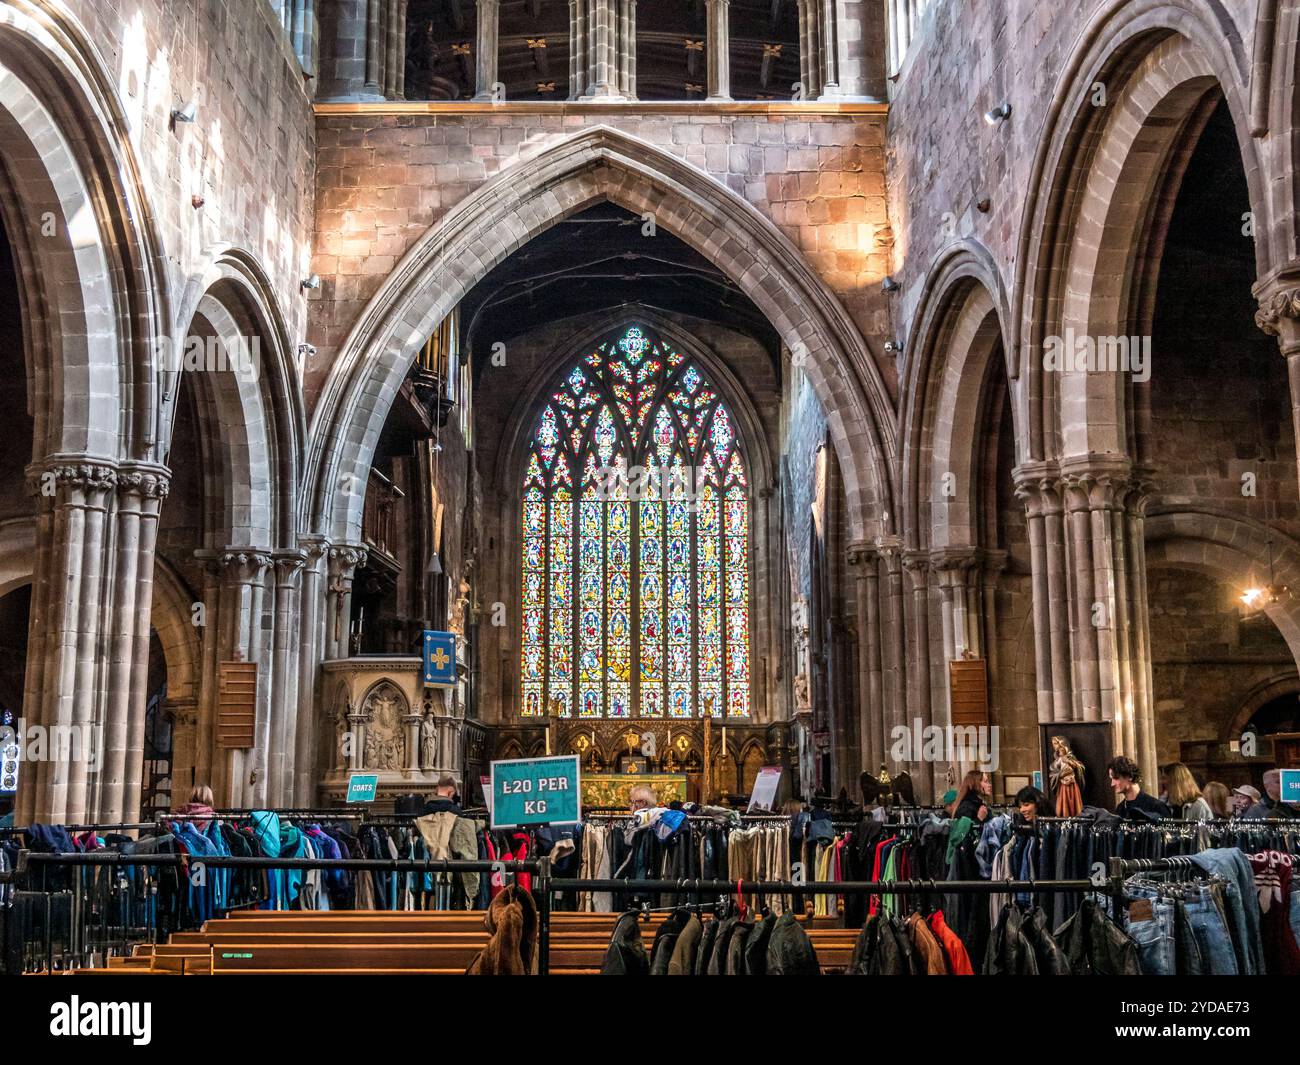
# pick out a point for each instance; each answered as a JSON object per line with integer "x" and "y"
{"x": 602, "y": 38}
{"x": 310, "y": 653}
{"x": 1038, "y": 485}
{"x": 577, "y": 48}
{"x": 284, "y": 677}
{"x": 69, "y": 698}
{"x": 394, "y": 48}
{"x": 810, "y": 48}
{"x": 485, "y": 49}
{"x": 920, "y": 698}
{"x": 830, "y": 49}
{"x": 374, "y": 86}
{"x": 140, "y": 495}
{"x": 343, "y": 565}
{"x": 863, "y": 562}
{"x": 1279, "y": 316}
{"x": 403, "y": 8}
{"x": 718, "y": 37}
{"x": 236, "y": 635}
{"x": 896, "y": 696}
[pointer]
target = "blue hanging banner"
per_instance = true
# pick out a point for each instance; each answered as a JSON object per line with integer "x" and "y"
{"x": 439, "y": 658}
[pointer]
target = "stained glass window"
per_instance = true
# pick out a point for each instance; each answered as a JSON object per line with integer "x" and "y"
{"x": 635, "y": 542}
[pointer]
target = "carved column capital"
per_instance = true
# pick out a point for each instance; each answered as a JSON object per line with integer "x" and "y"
{"x": 1279, "y": 316}
{"x": 144, "y": 482}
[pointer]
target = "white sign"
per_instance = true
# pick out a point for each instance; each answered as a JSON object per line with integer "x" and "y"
{"x": 764, "y": 794}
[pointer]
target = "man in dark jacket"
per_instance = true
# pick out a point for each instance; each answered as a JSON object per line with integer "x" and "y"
{"x": 444, "y": 798}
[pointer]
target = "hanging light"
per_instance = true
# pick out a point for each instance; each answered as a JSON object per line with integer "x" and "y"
{"x": 1260, "y": 598}
{"x": 434, "y": 568}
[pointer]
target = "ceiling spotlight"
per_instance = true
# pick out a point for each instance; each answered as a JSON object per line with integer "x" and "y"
{"x": 889, "y": 285}
{"x": 999, "y": 114}
{"x": 312, "y": 282}
{"x": 186, "y": 113}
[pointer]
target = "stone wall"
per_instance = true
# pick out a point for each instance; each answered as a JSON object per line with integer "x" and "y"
{"x": 250, "y": 152}
{"x": 1207, "y": 659}
{"x": 384, "y": 178}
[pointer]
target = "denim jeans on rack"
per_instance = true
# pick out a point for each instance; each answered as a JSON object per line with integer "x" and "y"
{"x": 1155, "y": 933}
{"x": 1205, "y": 914}
{"x": 1231, "y": 866}
{"x": 1189, "y": 954}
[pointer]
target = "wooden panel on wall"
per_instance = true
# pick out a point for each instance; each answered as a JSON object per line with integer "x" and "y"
{"x": 969, "y": 686}
{"x": 236, "y": 704}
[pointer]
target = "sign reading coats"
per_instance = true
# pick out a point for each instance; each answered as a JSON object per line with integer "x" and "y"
{"x": 439, "y": 658}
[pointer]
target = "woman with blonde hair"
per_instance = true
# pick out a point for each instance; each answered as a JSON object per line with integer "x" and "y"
{"x": 1218, "y": 799}
{"x": 1185, "y": 794}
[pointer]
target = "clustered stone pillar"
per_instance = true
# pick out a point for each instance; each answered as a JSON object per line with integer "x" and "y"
{"x": 311, "y": 642}
{"x": 718, "y": 36}
{"x": 284, "y": 724}
{"x": 367, "y": 61}
{"x": 865, "y": 564}
{"x": 602, "y": 49}
{"x": 86, "y": 672}
{"x": 824, "y": 52}
{"x": 344, "y": 561}
{"x": 1086, "y": 519}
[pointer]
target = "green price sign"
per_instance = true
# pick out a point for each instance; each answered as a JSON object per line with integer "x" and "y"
{"x": 536, "y": 791}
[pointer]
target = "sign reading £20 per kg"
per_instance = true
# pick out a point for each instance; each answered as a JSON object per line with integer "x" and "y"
{"x": 536, "y": 791}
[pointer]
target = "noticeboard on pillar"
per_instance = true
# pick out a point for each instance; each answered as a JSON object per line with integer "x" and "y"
{"x": 236, "y": 704}
{"x": 969, "y": 688}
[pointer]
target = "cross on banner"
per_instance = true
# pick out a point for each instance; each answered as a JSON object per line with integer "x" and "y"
{"x": 439, "y": 658}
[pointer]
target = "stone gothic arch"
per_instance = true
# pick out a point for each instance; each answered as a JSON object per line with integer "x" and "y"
{"x": 1090, "y": 246}
{"x": 95, "y": 300}
{"x": 595, "y": 165}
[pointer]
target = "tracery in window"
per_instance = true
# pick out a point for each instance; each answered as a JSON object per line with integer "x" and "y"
{"x": 635, "y": 542}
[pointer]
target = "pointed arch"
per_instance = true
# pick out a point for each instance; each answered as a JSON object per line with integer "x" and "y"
{"x": 94, "y": 292}
{"x": 960, "y": 331}
{"x": 251, "y": 413}
{"x": 594, "y": 165}
{"x": 1092, "y": 229}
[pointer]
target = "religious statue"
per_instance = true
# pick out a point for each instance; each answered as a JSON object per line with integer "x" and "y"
{"x": 1067, "y": 776}
{"x": 428, "y": 743}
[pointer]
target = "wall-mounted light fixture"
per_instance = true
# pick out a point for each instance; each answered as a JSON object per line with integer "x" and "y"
{"x": 889, "y": 285}
{"x": 998, "y": 114}
{"x": 312, "y": 282}
{"x": 187, "y": 112}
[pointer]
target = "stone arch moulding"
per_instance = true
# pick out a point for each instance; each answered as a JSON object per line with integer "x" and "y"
{"x": 17, "y": 554}
{"x": 960, "y": 323}
{"x": 1263, "y": 693}
{"x": 1229, "y": 548}
{"x": 172, "y": 621}
{"x": 263, "y": 413}
{"x": 512, "y": 457}
{"x": 97, "y": 296}
{"x": 592, "y": 166}
{"x": 1158, "y": 60}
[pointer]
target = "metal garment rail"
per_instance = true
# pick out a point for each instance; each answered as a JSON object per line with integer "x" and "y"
{"x": 24, "y": 860}
{"x": 826, "y": 887}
